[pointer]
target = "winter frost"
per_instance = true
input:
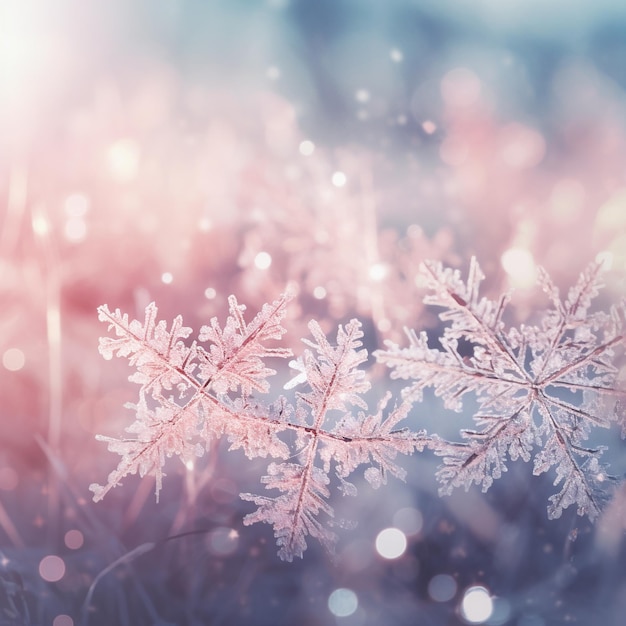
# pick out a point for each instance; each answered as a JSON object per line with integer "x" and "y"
{"x": 191, "y": 394}
{"x": 540, "y": 388}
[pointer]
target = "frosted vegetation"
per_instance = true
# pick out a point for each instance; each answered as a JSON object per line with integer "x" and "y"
{"x": 540, "y": 390}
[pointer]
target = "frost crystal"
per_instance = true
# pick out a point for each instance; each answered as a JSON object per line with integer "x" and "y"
{"x": 335, "y": 383}
{"x": 195, "y": 379}
{"x": 192, "y": 394}
{"x": 538, "y": 386}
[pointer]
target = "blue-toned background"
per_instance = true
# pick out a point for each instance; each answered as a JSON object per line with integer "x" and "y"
{"x": 181, "y": 151}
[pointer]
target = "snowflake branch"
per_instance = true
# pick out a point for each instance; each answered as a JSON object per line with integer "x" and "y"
{"x": 578, "y": 484}
{"x": 464, "y": 299}
{"x": 584, "y": 360}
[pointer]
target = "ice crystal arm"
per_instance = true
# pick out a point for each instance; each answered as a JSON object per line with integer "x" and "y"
{"x": 334, "y": 381}
{"x": 159, "y": 433}
{"x": 584, "y": 480}
{"x": 447, "y": 372}
{"x": 482, "y": 458}
{"x": 253, "y": 428}
{"x": 235, "y": 356}
{"x": 371, "y": 441}
{"x": 162, "y": 359}
{"x": 294, "y": 514}
{"x": 474, "y": 318}
{"x": 332, "y": 372}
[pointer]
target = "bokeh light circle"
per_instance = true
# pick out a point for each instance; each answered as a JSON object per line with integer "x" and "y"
{"x": 52, "y": 568}
{"x": 442, "y": 588}
{"x": 74, "y": 539}
{"x": 13, "y": 359}
{"x": 477, "y": 605}
{"x": 391, "y": 543}
{"x": 343, "y": 602}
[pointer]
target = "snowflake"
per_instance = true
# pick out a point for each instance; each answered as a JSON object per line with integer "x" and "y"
{"x": 192, "y": 394}
{"x": 541, "y": 386}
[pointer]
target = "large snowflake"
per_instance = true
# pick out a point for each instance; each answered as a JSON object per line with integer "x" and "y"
{"x": 193, "y": 393}
{"x": 540, "y": 388}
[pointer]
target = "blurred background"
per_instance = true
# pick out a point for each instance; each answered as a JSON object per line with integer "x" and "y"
{"x": 183, "y": 150}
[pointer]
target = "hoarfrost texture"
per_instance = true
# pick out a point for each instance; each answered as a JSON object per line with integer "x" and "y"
{"x": 192, "y": 394}
{"x": 540, "y": 388}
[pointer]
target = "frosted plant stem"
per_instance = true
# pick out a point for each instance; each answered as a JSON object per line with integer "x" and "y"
{"x": 124, "y": 559}
{"x": 52, "y": 290}
{"x": 16, "y": 208}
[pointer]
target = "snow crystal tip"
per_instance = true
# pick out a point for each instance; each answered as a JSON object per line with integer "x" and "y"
{"x": 98, "y": 491}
